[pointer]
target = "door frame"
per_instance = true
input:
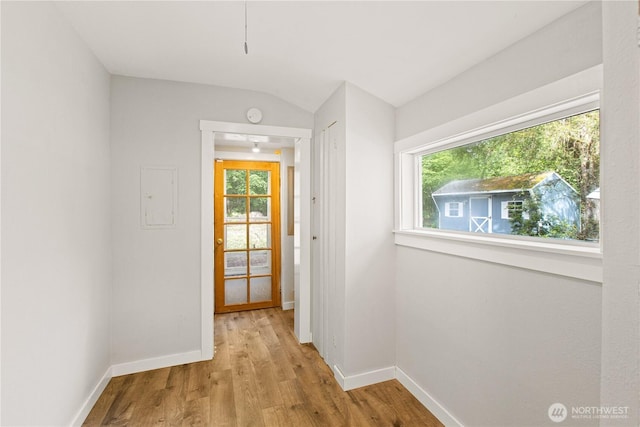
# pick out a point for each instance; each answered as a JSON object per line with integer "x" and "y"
{"x": 302, "y": 238}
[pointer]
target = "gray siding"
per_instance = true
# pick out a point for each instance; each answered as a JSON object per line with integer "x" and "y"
{"x": 453, "y": 223}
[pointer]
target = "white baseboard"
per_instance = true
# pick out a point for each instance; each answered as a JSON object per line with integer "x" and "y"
{"x": 364, "y": 379}
{"x": 427, "y": 400}
{"x": 156, "y": 363}
{"x": 346, "y": 383}
{"x": 288, "y": 305}
{"x": 92, "y": 399}
{"x": 131, "y": 368}
{"x": 305, "y": 338}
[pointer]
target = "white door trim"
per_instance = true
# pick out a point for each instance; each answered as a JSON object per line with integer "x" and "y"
{"x": 208, "y": 130}
{"x": 476, "y": 223}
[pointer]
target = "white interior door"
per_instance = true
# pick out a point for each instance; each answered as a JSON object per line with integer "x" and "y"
{"x": 317, "y": 242}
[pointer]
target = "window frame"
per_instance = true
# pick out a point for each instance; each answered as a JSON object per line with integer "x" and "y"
{"x": 459, "y": 209}
{"x": 570, "y": 96}
{"x": 504, "y": 207}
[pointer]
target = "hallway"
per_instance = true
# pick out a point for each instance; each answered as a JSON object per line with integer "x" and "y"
{"x": 260, "y": 376}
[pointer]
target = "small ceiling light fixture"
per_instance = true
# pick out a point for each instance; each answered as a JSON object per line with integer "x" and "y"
{"x": 255, "y": 148}
{"x": 246, "y": 46}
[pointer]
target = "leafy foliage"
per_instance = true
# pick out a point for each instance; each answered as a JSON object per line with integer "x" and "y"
{"x": 569, "y": 146}
{"x": 532, "y": 221}
{"x": 236, "y": 183}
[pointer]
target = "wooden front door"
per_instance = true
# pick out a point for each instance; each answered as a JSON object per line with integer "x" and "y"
{"x": 247, "y": 235}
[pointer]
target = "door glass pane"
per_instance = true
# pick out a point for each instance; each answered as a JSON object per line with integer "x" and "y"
{"x": 261, "y": 289}
{"x": 235, "y": 181}
{"x": 235, "y": 209}
{"x": 259, "y": 236}
{"x": 235, "y": 291}
{"x": 235, "y": 236}
{"x": 260, "y": 209}
{"x": 260, "y": 262}
{"x": 259, "y": 182}
{"x": 235, "y": 264}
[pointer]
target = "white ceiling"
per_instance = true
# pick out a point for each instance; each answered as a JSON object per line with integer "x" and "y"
{"x": 300, "y": 51}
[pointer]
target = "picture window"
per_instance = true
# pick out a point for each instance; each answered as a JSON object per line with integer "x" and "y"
{"x": 541, "y": 179}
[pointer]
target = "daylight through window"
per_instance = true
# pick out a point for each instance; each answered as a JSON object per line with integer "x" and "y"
{"x": 542, "y": 181}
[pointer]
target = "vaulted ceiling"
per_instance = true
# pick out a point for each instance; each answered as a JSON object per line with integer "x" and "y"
{"x": 300, "y": 51}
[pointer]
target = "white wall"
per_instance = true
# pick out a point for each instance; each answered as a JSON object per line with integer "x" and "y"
{"x": 55, "y": 218}
{"x": 361, "y": 250}
{"x": 569, "y": 44}
{"x": 156, "y": 295}
{"x": 369, "y": 248}
{"x": 620, "y": 127}
{"x": 287, "y": 277}
{"x": 496, "y": 345}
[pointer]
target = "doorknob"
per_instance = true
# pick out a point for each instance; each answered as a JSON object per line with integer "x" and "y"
{"x": 219, "y": 241}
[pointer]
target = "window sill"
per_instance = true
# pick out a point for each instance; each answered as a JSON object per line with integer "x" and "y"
{"x": 579, "y": 261}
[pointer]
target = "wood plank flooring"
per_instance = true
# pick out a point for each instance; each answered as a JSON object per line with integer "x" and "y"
{"x": 260, "y": 376}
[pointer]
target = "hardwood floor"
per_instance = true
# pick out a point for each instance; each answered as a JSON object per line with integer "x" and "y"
{"x": 260, "y": 376}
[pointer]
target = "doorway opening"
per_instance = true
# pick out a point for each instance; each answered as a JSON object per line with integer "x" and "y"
{"x": 238, "y": 139}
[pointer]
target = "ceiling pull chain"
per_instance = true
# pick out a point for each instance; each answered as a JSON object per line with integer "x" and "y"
{"x": 246, "y": 46}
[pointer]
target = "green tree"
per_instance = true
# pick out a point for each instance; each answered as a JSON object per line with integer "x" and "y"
{"x": 236, "y": 181}
{"x": 259, "y": 185}
{"x": 532, "y": 221}
{"x": 236, "y": 184}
